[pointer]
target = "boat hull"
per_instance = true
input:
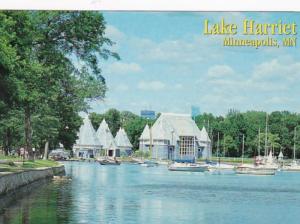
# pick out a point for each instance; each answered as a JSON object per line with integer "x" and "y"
{"x": 150, "y": 163}
{"x": 291, "y": 169}
{"x": 188, "y": 168}
{"x": 109, "y": 163}
{"x": 255, "y": 171}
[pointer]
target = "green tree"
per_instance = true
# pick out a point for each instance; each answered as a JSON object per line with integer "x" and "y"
{"x": 41, "y": 56}
{"x": 113, "y": 119}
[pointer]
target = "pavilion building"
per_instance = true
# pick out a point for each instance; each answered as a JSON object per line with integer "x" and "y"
{"x": 105, "y": 136}
{"x": 144, "y": 140}
{"x": 123, "y": 143}
{"x": 175, "y": 137}
{"x": 87, "y": 145}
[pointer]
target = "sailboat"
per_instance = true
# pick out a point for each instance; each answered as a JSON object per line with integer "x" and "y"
{"x": 187, "y": 166}
{"x": 190, "y": 166}
{"x": 293, "y": 166}
{"x": 252, "y": 169}
{"x": 213, "y": 167}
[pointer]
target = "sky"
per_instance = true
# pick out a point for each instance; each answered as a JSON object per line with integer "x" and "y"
{"x": 168, "y": 65}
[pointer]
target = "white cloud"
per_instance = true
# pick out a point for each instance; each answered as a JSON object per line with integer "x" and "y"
{"x": 274, "y": 75}
{"x": 123, "y": 68}
{"x": 151, "y": 85}
{"x": 114, "y": 34}
{"x": 220, "y": 71}
{"x": 275, "y": 69}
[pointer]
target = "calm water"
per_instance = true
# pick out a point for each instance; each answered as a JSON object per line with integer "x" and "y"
{"x": 135, "y": 194}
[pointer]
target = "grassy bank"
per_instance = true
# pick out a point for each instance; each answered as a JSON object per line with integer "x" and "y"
{"x": 231, "y": 159}
{"x": 12, "y": 164}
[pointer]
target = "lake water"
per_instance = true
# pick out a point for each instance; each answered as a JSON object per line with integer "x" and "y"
{"x": 135, "y": 194}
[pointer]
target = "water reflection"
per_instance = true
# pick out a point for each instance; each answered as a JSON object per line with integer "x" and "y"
{"x": 135, "y": 194}
{"x": 38, "y": 203}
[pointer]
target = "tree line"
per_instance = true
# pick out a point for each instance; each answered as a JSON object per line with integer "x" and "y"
{"x": 229, "y": 129}
{"x": 50, "y": 67}
{"x": 281, "y": 126}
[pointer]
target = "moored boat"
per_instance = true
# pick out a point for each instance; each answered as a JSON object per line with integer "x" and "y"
{"x": 109, "y": 162}
{"x": 149, "y": 163}
{"x": 294, "y": 166}
{"x": 254, "y": 170}
{"x": 190, "y": 167}
{"x": 220, "y": 166}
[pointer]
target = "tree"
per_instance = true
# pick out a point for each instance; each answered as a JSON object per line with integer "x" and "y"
{"x": 134, "y": 129}
{"x": 113, "y": 119}
{"x": 41, "y": 55}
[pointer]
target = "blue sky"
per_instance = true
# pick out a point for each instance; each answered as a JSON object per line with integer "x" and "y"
{"x": 167, "y": 65}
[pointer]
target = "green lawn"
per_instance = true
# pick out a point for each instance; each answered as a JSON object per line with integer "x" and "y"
{"x": 40, "y": 163}
{"x": 231, "y": 159}
{"x": 15, "y": 164}
{"x": 10, "y": 158}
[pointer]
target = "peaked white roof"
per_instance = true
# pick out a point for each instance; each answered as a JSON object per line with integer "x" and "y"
{"x": 146, "y": 133}
{"x": 280, "y": 154}
{"x": 204, "y": 135}
{"x": 105, "y": 136}
{"x": 87, "y": 135}
{"x": 270, "y": 157}
{"x": 122, "y": 139}
{"x": 171, "y": 126}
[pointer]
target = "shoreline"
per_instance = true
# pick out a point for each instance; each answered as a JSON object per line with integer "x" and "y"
{"x": 12, "y": 181}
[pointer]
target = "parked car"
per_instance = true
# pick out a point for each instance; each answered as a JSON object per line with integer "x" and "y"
{"x": 59, "y": 154}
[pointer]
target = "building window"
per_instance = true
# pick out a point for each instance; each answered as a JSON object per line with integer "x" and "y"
{"x": 186, "y": 145}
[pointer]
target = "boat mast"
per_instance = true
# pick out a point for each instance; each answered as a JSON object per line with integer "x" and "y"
{"x": 218, "y": 145}
{"x": 224, "y": 148}
{"x": 195, "y": 158}
{"x": 243, "y": 149}
{"x": 266, "y": 136}
{"x": 258, "y": 150}
{"x": 294, "y": 143}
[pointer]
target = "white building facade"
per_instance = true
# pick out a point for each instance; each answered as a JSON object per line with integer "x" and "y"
{"x": 123, "y": 143}
{"x": 109, "y": 146}
{"x": 175, "y": 137}
{"x": 87, "y": 144}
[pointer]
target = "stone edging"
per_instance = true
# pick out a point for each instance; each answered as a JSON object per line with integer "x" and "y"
{"x": 12, "y": 181}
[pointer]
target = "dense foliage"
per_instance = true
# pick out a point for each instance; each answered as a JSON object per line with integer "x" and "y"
{"x": 230, "y": 128}
{"x": 49, "y": 68}
{"x": 234, "y": 125}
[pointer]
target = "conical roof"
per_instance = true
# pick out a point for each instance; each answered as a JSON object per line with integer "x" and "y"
{"x": 204, "y": 135}
{"x": 146, "y": 133}
{"x": 87, "y": 135}
{"x": 270, "y": 157}
{"x": 105, "y": 136}
{"x": 280, "y": 155}
{"x": 122, "y": 139}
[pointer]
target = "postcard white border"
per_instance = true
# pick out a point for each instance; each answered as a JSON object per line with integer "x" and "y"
{"x": 154, "y": 5}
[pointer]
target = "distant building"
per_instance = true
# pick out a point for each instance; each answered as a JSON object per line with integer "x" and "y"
{"x": 175, "y": 137}
{"x": 144, "y": 140}
{"x": 123, "y": 143}
{"x": 195, "y": 111}
{"x": 148, "y": 114}
{"x": 87, "y": 144}
{"x": 109, "y": 146}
